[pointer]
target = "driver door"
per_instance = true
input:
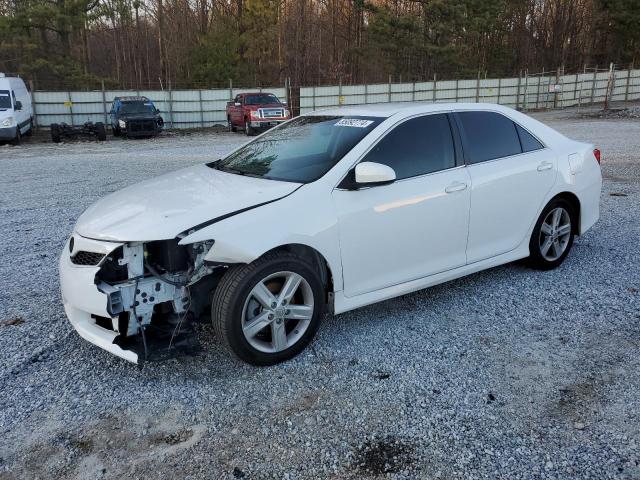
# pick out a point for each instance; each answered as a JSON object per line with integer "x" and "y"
{"x": 414, "y": 227}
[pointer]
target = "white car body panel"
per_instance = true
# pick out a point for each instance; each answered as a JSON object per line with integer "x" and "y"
{"x": 378, "y": 242}
{"x": 402, "y": 231}
{"x": 497, "y": 226}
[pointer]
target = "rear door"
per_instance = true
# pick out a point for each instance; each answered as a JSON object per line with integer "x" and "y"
{"x": 511, "y": 172}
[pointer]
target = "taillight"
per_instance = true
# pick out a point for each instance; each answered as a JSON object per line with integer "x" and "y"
{"x": 596, "y": 153}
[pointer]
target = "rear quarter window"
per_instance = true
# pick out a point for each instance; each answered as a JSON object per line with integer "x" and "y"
{"x": 488, "y": 135}
{"x": 529, "y": 142}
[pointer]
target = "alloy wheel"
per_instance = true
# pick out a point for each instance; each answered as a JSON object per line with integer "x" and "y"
{"x": 277, "y": 312}
{"x": 555, "y": 234}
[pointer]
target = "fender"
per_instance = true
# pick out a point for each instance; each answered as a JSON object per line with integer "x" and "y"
{"x": 244, "y": 237}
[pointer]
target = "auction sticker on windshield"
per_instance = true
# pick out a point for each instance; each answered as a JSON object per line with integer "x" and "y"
{"x": 353, "y": 122}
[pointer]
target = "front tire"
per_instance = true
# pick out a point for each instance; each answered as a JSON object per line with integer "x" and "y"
{"x": 247, "y": 129}
{"x": 552, "y": 236}
{"x": 18, "y": 138}
{"x": 268, "y": 311}
{"x": 101, "y": 133}
{"x": 55, "y": 133}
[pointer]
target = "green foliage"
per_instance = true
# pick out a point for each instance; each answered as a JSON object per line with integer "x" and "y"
{"x": 215, "y": 59}
{"x": 624, "y": 23}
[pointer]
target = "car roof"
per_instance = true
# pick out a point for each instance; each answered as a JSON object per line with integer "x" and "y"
{"x": 133, "y": 99}
{"x": 386, "y": 110}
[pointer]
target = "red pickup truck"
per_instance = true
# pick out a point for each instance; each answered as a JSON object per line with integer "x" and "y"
{"x": 253, "y": 112}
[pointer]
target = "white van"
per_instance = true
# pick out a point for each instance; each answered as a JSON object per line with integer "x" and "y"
{"x": 16, "y": 113}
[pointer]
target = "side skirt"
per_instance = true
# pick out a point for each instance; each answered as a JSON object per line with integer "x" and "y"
{"x": 344, "y": 304}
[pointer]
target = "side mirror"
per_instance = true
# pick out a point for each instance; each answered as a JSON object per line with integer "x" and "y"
{"x": 371, "y": 173}
{"x": 237, "y": 104}
{"x": 18, "y": 105}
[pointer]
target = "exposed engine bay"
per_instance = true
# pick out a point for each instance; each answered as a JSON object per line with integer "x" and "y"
{"x": 156, "y": 289}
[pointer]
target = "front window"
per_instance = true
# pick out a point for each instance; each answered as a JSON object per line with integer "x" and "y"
{"x": 264, "y": 99}
{"x": 301, "y": 150}
{"x": 129, "y": 108}
{"x": 5, "y": 99}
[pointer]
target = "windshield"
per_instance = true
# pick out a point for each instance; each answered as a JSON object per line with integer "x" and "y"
{"x": 136, "y": 107}
{"x": 301, "y": 150}
{"x": 261, "y": 99}
{"x": 5, "y": 99}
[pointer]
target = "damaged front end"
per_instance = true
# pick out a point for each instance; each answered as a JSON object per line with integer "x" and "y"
{"x": 154, "y": 291}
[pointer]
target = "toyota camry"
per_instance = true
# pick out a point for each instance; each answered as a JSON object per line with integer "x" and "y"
{"x": 327, "y": 212}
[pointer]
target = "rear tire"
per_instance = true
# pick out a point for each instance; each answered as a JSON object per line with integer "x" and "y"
{"x": 55, "y": 133}
{"x": 284, "y": 319}
{"x": 100, "y": 131}
{"x": 552, "y": 236}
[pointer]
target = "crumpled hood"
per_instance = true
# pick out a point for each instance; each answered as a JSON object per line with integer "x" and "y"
{"x": 160, "y": 208}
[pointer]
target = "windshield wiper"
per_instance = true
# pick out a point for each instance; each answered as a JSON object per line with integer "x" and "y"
{"x": 218, "y": 166}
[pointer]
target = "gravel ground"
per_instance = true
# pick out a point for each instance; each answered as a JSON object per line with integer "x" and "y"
{"x": 508, "y": 373}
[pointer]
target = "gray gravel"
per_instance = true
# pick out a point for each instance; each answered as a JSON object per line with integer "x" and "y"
{"x": 508, "y": 373}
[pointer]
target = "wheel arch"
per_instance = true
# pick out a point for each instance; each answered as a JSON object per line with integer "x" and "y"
{"x": 574, "y": 201}
{"x": 317, "y": 259}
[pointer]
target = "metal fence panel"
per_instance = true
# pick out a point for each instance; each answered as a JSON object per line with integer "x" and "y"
{"x": 194, "y": 108}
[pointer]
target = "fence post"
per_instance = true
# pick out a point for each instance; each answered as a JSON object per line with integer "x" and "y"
{"x": 435, "y": 87}
{"x": 314, "y": 97}
{"x": 286, "y": 91}
{"x": 499, "y": 88}
{"x": 201, "y": 108}
{"x": 626, "y": 90}
{"x": 609, "y": 89}
{"x": 526, "y": 87}
{"x": 70, "y": 106}
{"x": 457, "y": 90}
{"x": 555, "y": 93}
{"x": 518, "y": 90}
{"x": 593, "y": 85}
{"x": 584, "y": 72}
{"x": 478, "y": 88}
{"x": 33, "y": 104}
{"x": 413, "y": 92}
{"x": 340, "y": 91}
{"x": 104, "y": 104}
{"x": 389, "y": 90}
{"x": 170, "y": 102}
{"x": 538, "y": 91}
{"x": 366, "y": 93}
{"x": 230, "y": 90}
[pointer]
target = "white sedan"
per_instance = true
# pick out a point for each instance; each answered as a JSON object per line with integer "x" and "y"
{"x": 330, "y": 211}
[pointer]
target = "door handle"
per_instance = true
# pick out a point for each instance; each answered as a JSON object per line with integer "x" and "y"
{"x": 545, "y": 166}
{"x": 455, "y": 187}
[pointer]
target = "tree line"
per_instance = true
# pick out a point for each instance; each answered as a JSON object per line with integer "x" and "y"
{"x": 137, "y": 44}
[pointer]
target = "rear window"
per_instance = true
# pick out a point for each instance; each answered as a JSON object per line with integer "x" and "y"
{"x": 488, "y": 136}
{"x": 5, "y": 99}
